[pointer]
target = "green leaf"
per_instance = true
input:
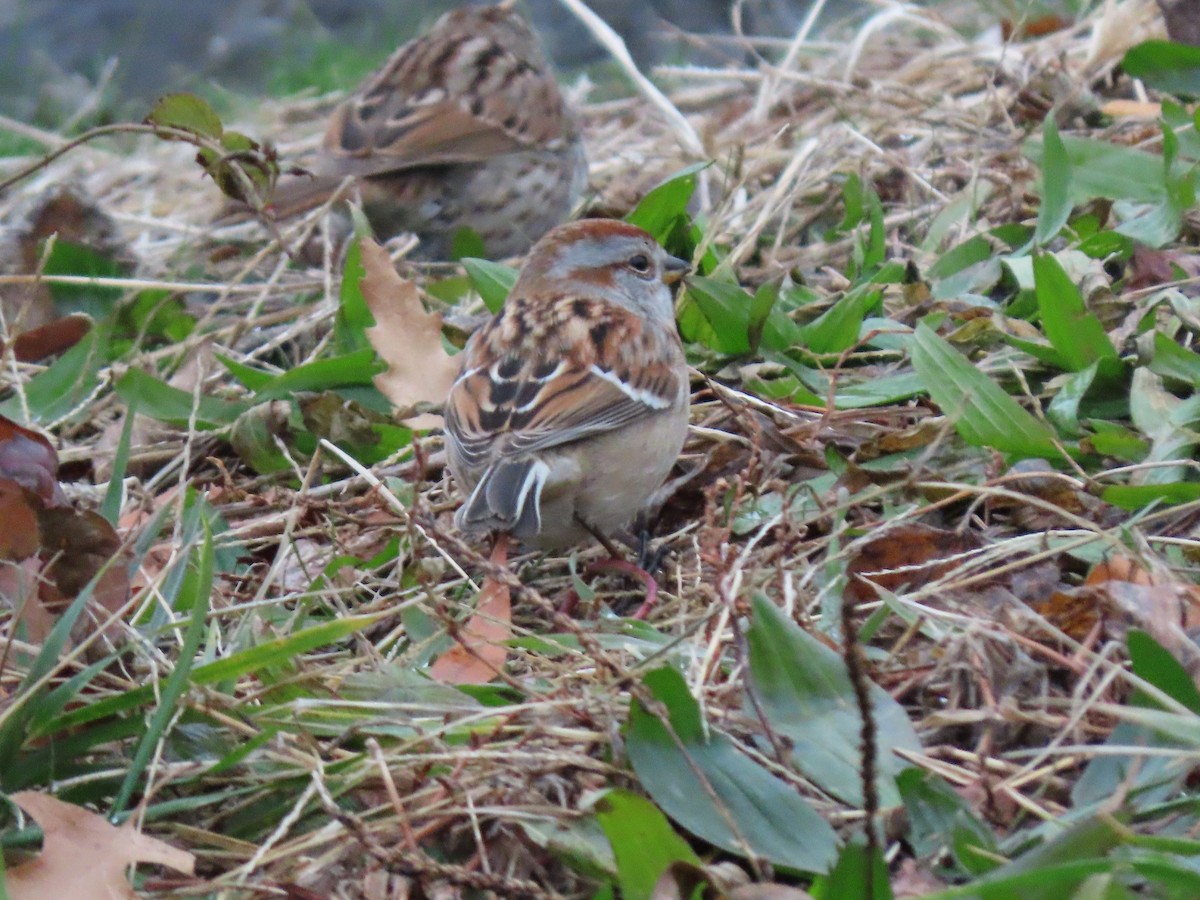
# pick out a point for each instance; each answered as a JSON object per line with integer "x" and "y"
{"x": 357, "y": 368}
{"x": 1056, "y": 185}
{"x": 1159, "y": 415}
{"x": 1152, "y": 662}
{"x": 761, "y": 308}
{"x": 254, "y": 379}
{"x": 725, "y": 312}
{"x": 67, "y": 383}
{"x": 466, "y": 242}
{"x": 187, "y": 112}
{"x": 661, "y": 208}
{"x": 643, "y": 842}
{"x": 1075, "y": 333}
{"x": 159, "y": 400}
{"x": 939, "y": 818}
{"x": 984, "y": 415}
{"x": 804, "y": 689}
{"x": 492, "y": 280}
{"x": 1115, "y": 171}
{"x": 849, "y": 876}
{"x": 1173, "y": 361}
{"x": 82, "y": 261}
{"x": 353, "y": 317}
{"x": 194, "y": 596}
{"x": 1139, "y": 496}
{"x": 838, "y": 327}
{"x": 752, "y": 812}
{"x": 1063, "y": 410}
{"x": 1165, "y": 66}
{"x": 253, "y": 438}
{"x": 1031, "y": 871}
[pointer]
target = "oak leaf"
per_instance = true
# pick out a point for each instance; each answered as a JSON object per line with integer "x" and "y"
{"x": 409, "y": 339}
{"x": 84, "y": 856}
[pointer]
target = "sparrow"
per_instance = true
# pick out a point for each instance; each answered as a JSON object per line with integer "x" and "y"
{"x": 462, "y": 127}
{"x": 571, "y": 405}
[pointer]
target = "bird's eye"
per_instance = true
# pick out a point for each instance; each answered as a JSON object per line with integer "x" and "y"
{"x": 640, "y": 263}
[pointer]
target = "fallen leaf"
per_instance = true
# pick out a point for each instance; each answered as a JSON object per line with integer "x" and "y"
{"x": 54, "y": 337}
{"x": 83, "y": 856}
{"x": 30, "y": 460}
{"x": 479, "y": 654}
{"x": 1148, "y": 267}
{"x": 909, "y": 554}
{"x": 19, "y": 537}
{"x": 1131, "y": 109}
{"x": 406, "y": 337}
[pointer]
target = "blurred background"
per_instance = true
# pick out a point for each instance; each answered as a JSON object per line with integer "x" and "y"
{"x": 88, "y": 61}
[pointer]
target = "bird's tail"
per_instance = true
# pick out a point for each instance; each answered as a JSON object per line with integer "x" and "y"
{"x": 507, "y": 498}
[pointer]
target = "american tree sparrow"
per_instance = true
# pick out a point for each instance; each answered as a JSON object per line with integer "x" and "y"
{"x": 572, "y": 402}
{"x": 462, "y": 127}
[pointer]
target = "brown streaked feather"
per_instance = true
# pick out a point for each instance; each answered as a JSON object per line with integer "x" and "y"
{"x": 528, "y": 381}
{"x": 420, "y": 110}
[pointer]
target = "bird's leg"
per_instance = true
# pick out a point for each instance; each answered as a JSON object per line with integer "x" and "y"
{"x": 616, "y": 562}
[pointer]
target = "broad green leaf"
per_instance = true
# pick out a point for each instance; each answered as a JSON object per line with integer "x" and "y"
{"x": 465, "y": 243}
{"x": 983, "y": 414}
{"x": 643, "y": 841}
{"x": 1056, "y": 185}
{"x": 663, "y": 205}
{"x": 761, "y": 307}
{"x": 157, "y": 399}
{"x": 753, "y": 811}
{"x": 353, "y": 317}
{"x": 1074, "y": 332}
{"x": 939, "y": 819}
{"x": 1101, "y": 169}
{"x": 839, "y": 326}
{"x": 1063, "y": 410}
{"x": 802, "y": 686}
{"x": 253, "y": 438}
{"x": 1139, "y": 496}
{"x": 254, "y": 379}
{"x": 1165, "y": 66}
{"x": 1156, "y": 665}
{"x": 1032, "y": 870}
{"x": 351, "y": 369}
{"x": 187, "y": 112}
{"x": 492, "y": 280}
{"x": 849, "y": 876}
{"x": 80, "y": 260}
{"x": 1173, "y": 361}
{"x": 725, "y": 310}
{"x": 1158, "y": 414}
{"x": 67, "y": 383}
{"x": 969, "y": 253}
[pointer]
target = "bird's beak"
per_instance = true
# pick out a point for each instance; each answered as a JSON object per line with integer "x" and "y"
{"x": 674, "y": 269}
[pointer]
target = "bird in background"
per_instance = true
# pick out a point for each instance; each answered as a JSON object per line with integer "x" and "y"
{"x": 463, "y": 127}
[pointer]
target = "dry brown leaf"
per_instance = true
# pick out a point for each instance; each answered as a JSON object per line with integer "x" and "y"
{"x": 408, "y": 338}
{"x": 54, "y": 337}
{"x": 19, "y": 537}
{"x": 479, "y": 654}
{"x": 1131, "y": 109}
{"x": 910, "y": 554}
{"x": 83, "y": 856}
{"x": 30, "y": 460}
